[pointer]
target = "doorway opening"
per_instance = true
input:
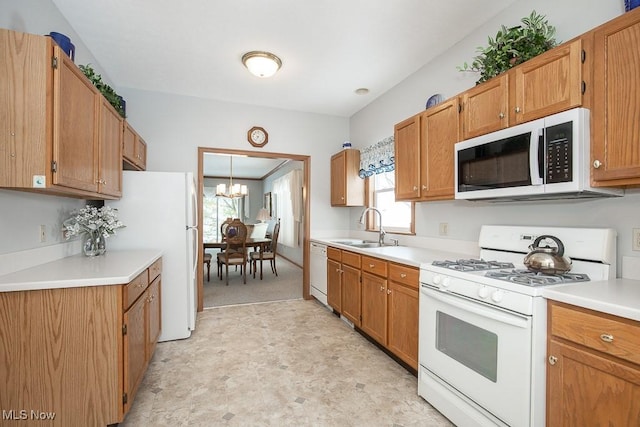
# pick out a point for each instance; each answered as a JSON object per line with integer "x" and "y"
{"x": 247, "y": 157}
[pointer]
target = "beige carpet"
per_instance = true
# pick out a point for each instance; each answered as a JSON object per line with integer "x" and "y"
{"x": 287, "y": 285}
{"x": 287, "y": 363}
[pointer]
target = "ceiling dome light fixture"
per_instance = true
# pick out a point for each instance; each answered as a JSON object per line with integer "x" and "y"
{"x": 261, "y": 64}
{"x": 361, "y": 91}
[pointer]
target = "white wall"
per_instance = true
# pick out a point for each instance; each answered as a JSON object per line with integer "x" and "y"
{"x": 375, "y": 122}
{"x": 21, "y": 214}
{"x": 175, "y": 126}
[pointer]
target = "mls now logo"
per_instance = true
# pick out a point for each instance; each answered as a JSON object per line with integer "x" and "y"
{"x": 23, "y": 414}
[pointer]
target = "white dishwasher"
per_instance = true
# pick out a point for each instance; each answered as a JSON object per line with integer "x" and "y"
{"x": 318, "y": 272}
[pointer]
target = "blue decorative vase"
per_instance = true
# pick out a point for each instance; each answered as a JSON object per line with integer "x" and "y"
{"x": 631, "y": 4}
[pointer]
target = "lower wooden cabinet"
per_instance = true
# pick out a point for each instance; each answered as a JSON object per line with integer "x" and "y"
{"x": 350, "y": 271}
{"x": 593, "y": 370}
{"x": 380, "y": 298}
{"x": 79, "y": 353}
{"x": 334, "y": 278}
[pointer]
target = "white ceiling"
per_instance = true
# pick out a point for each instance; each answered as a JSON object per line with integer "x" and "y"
{"x": 329, "y": 48}
{"x": 219, "y": 165}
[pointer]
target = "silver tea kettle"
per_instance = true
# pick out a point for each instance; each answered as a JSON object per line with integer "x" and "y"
{"x": 547, "y": 260}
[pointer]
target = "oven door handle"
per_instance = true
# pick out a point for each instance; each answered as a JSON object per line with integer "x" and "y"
{"x": 483, "y": 310}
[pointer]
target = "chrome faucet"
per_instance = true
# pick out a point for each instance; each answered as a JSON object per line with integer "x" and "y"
{"x": 381, "y": 233}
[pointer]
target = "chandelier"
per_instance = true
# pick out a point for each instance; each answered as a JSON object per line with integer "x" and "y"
{"x": 235, "y": 190}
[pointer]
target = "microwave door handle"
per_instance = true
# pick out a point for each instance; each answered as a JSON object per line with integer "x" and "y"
{"x": 537, "y": 143}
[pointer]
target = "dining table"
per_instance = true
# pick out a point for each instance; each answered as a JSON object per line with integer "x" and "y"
{"x": 260, "y": 243}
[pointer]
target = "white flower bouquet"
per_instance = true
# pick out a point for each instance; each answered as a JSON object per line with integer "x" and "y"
{"x": 90, "y": 219}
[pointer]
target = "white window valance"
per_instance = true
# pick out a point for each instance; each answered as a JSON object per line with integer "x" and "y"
{"x": 377, "y": 158}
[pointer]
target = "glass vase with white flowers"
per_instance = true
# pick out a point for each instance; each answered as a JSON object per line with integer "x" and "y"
{"x": 96, "y": 224}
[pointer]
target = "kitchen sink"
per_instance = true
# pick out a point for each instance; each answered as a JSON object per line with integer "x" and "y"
{"x": 367, "y": 245}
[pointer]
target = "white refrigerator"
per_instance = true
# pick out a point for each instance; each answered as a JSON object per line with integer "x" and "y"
{"x": 159, "y": 211}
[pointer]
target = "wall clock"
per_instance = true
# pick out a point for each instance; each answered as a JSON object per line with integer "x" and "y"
{"x": 257, "y": 136}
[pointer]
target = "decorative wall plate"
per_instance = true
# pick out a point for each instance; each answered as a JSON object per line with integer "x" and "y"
{"x": 434, "y": 100}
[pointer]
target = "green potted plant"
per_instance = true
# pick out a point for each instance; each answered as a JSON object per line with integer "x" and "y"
{"x": 513, "y": 46}
{"x": 106, "y": 90}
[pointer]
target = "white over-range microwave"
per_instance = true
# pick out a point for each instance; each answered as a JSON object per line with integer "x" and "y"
{"x": 548, "y": 158}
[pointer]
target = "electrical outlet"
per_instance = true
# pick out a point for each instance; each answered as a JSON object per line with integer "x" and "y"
{"x": 444, "y": 229}
{"x": 43, "y": 233}
{"x": 635, "y": 242}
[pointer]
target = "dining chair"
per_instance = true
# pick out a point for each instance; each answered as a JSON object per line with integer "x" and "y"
{"x": 268, "y": 254}
{"x": 235, "y": 251}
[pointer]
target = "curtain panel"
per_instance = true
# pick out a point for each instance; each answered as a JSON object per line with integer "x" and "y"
{"x": 377, "y": 158}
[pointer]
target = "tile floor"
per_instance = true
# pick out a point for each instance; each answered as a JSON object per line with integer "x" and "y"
{"x": 287, "y": 363}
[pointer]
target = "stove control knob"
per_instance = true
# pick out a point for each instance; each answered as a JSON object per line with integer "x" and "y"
{"x": 437, "y": 279}
{"x": 497, "y": 295}
{"x": 483, "y": 292}
{"x": 446, "y": 282}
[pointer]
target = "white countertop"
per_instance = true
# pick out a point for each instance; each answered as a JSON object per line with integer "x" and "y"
{"x": 407, "y": 255}
{"x": 619, "y": 297}
{"x": 112, "y": 268}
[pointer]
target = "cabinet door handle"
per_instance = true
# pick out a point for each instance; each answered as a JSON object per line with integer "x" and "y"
{"x": 517, "y": 109}
{"x": 388, "y": 291}
{"x": 381, "y": 288}
{"x": 553, "y": 360}
{"x": 606, "y": 337}
{"x": 403, "y": 275}
{"x": 597, "y": 164}
{"x": 424, "y": 187}
{"x": 501, "y": 115}
{"x": 415, "y": 188}
{"x": 372, "y": 265}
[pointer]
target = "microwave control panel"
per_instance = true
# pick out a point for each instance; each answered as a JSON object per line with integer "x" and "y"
{"x": 559, "y": 153}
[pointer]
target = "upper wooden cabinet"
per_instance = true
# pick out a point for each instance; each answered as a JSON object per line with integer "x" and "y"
{"x": 485, "y": 108}
{"x": 347, "y": 188}
{"x": 615, "y": 114}
{"x": 547, "y": 84}
{"x": 110, "y": 150}
{"x": 406, "y": 136}
{"x": 134, "y": 149}
{"x": 57, "y": 137}
{"x": 424, "y": 153}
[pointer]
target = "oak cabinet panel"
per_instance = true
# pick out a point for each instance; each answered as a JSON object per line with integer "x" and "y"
{"x": 549, "y": 83}
{"x": 407, "y": 158}
{"x": 110, "y": 146}
{"x": 424, "y": 153}
{"x": 403, "y": 306}
{"x": 439, "y": 134}
{"x": 334, "y": 285}
{"x": 615, "y": 116}
{"x": 485, "y": 108}
{"x": 351, "y": 293}
{"x": 593, "y": 374}
{"x": 135, "y": 343}
{"x": 374, "y": 307}
{"x": 78, "y": 352}
{"x": 134, "y": 149}
{"x": 347, "y": 188}
{"x": 57, "y": 137}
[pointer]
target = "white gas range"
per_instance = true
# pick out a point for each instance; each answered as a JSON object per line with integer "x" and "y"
{"x": 482, "y": 343}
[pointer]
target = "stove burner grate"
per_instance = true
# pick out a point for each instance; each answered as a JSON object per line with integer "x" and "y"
{"x": 532, "y": 278}
{"x": 472, "y": 264}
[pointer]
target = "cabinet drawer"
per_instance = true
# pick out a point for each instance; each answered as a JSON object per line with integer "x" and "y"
{"x": 155, "y": 269}
{"x": 374, "y": 266}
{"x": 334, "y": 254}
{"x": 134, "y": 289}
{"x": 404, "y": 274}
{"x": 349, "y": 258}
{"x": 608, "y": 334}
